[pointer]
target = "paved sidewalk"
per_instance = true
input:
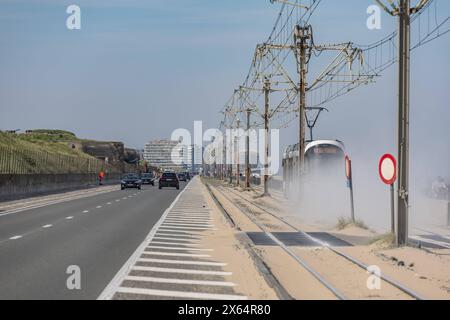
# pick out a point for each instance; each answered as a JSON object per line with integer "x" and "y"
{"x": 191, "y": 253}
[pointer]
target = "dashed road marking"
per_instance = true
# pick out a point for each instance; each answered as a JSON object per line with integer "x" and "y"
{"x": 175, "y": 243}
{"x": 47, "y": 226}
{"x": 184, "y": 228}
{"x": 180, "y": 236}
{"x": 180, "y": 294}
{"x": 86, "y": 211}
{"x": 188, "y": 224}
{"x": 69, "y": 218}
{"x": 187, "y": 262}
{"x": 15, "y": 237}
{"x": 159, "y": 253}
{"x": 182, "y": 281}
{"x": 178, "y": 248}
{"x": 177, "y": 231}
{"x": 184, "y": 271}
{"x": 98, "y": 207}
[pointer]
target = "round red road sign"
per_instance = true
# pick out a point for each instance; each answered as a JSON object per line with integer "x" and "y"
{"x": 388, "y": 169}
{"x": 348, "y": 167}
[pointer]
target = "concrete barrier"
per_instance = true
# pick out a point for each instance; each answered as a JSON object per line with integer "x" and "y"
{"x": 15, "y": 186}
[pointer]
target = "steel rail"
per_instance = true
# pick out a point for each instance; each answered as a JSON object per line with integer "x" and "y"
{"x": 358, "y": 263}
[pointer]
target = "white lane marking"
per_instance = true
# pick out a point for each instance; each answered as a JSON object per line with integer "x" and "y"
{"x": 189, "y": 215}
{"x": 205, "y": 221}
{"x": 204, "y": 213}
{"x": 69, "y": 218}
{"x": 181, "y": 281}
{"x": 177, "y": 232}
{"x": 193, "y": 224}
{"x": 184, "y": 271}
{"x": 196, "y": 263}
{"x": 181, "y": 236}
{"x": 47, "y": 226}
{"x": 117, "y": 200}
{"x": 189, "y": 219}
{"x": 62, "y": 200}
{"x": 124, "y": 198}
{"x": 178, "y": 248}
{"x": 189, "y": 241}
{"x": 180, "y": 294}
{"x": 109, "y": 203}
{"x": 174, "y": 243}
{"x": 112, "y": 287}
{"x": 172, "y": 226}
{"x": 15, "y": 237}
{"x": 86, "y": 211}
{"x": 158, "y": 253}
{"x": 98, "y": 207}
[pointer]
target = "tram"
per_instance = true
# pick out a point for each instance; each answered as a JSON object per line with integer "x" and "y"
{"x": 323, "y": 158}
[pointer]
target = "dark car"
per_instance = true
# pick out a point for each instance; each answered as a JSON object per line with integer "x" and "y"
{"x": 169, "y": 179}
{"x": 188, "y": 175}
{"x": 148, "y": 178}
{"x": 182, "y": 176}
{"x": 131, "y": 180}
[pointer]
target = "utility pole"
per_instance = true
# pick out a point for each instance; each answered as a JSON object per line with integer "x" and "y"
{"x": 404, "y": 12}
{"x": 266, "y": 136}
{"x": 230, "y": 165}
{"x": 301, "y": 37}
{"x": 224, "y": 156}
{"x": 238, "y": 178}
{"x": 247, "y": 152}
{"x": 404, "y": 37}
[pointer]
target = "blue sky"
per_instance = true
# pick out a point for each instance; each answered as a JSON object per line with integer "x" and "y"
{"x": 139, "y": 69}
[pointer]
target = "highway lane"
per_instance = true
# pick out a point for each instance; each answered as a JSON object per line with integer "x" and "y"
{"x": 97, "y": 234}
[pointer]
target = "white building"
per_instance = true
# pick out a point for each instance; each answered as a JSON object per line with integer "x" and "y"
{"x": 168, "y": 154}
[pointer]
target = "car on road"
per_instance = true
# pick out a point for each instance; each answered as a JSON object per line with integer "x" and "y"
{"x": 169, "y": 179}
{"x": 148, "y": 178}
{"x": 182, "y": 176}
{"x": 131, "y": 180}
{"x": 188, "y": 175}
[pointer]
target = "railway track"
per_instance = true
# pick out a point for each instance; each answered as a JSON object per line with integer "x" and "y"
{"x": 336, "y": 292}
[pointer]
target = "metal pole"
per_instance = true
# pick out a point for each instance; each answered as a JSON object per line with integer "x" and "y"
{"x": 230, "y": 166}
{"x": 350, "y": 181}
{"x": 403, "y": 118}
{"x": 266, "y": 136}
{"x": 247, "y": 153}
{"x": 224, "y": 157}
{"x": 301, "y": 35}
{"x": 238, "y": 168}
{"x": 392, "y": 209}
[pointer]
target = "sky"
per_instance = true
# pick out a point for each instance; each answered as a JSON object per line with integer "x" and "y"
{"x": 139, "y": 69}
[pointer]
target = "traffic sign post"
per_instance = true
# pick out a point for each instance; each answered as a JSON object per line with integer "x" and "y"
{"x": 348, "y": 173}
{"x": 387, "y": 169}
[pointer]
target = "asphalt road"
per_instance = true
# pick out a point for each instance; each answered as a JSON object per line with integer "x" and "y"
{"x": 98, "y": 234}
